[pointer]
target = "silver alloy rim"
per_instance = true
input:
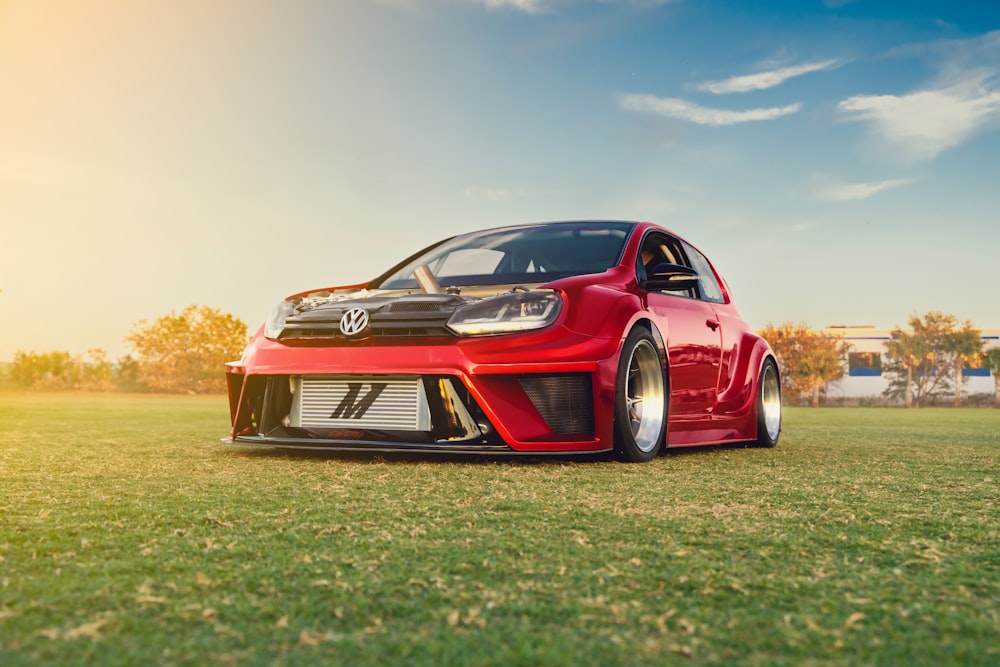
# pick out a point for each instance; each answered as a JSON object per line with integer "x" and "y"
{"x": 770, "y": 402}
{"x": 644, "y": 396}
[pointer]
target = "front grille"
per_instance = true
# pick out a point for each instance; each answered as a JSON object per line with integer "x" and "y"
{"x": 414, "y": 307}
{"x": 564, "y": 401}
{"x": 407, "y": 316}
{"x": 396, "y": 331}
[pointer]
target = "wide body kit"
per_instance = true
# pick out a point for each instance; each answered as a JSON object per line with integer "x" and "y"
{"x": 545, "y": 363}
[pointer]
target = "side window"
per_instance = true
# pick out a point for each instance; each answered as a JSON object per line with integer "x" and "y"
{"x": 659, "y": 248}
{"x": 708, "y": 285}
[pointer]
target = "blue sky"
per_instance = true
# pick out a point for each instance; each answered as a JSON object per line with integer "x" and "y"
{"x": 838, "y": 161}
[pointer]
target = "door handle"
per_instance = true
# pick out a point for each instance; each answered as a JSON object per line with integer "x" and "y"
{"x": 712, "y": 324}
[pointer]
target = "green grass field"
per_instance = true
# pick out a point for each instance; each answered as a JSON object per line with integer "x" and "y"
{"x": 129, "y": 535}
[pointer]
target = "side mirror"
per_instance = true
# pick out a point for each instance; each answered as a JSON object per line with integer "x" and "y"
{"x": 670, "y": 278}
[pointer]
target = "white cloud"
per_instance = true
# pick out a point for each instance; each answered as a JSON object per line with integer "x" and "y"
{"x": 673, "y": 107}
{"x": 763, "y": 80}
{"x": 832, "y": 191}
{"x": 926, "y": 122}
{"x": 540, "y": 6}
{"x": 529, "y": 6}
{"x": 955, "y": 55}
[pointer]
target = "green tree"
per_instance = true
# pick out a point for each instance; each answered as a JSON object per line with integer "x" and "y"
{"x": 807, "y": 359}
{"x": 991, "y": 360}
{"x": 97, "y": 373}
{"x": 920, "y": 363}
{"x": 186, "y": 352}
{"x": 906, "y": 354}
{"x": 963, "y": 345}
{"x": 45, "y": 370}
{"x": 61, "y": 370}
{"x": 127, "y": 375}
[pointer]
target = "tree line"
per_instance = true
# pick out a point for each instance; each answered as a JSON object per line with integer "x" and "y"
{"x": 176, "y": 353}
{"x": 185, "y": 353}
{"x": 923, "y": 363}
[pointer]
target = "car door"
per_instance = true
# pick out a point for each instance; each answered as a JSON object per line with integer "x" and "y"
{"x": 711, "y": 291}
{"x": 692, "y": 330}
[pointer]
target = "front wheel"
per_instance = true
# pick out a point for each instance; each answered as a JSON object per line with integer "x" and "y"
{"x": 640, "y": 399}
{"x": 768, "y": 405}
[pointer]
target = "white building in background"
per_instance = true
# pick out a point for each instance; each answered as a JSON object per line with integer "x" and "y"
{"x": 867, "y": 356}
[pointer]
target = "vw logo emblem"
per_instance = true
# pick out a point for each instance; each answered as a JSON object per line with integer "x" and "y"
{"x": 354, "y": 321}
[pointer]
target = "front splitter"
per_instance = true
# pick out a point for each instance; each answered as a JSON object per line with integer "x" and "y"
{"x": 367, "y": 446}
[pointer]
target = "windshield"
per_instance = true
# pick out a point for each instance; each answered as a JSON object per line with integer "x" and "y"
{"x": 530, "y": 254}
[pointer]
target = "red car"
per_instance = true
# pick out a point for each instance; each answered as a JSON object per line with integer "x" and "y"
{"x": 554, "y": 338}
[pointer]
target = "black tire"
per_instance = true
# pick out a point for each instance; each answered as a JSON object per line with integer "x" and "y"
{"x": 641, "y": 399}
{"x": 768, "y": 405}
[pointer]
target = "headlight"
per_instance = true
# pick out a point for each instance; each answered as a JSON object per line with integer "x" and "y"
{"x": 276, "y": 322}
{"x": 507, "y": 313}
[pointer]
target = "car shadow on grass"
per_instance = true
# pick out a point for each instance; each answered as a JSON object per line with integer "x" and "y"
{"x": 406, "y": 457}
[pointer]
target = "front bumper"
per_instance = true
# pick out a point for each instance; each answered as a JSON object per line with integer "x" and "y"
{"x": 549, "y": 394}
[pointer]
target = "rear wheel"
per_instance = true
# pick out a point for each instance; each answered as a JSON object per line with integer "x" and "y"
{"x": 640, "y": 399}
{"x": 768, "y": 405}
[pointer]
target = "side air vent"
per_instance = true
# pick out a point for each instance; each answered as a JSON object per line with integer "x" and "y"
{"x": 564, "y": 401}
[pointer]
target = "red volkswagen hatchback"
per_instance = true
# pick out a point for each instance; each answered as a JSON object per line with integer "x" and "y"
{"x": 554, "y": 338}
